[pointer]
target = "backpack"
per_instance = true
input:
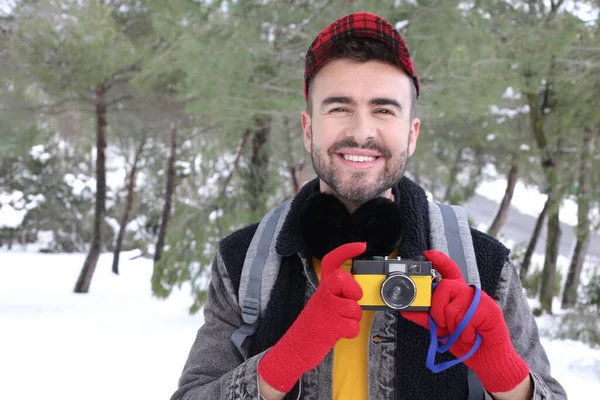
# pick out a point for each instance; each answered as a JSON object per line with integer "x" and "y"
{"x": 449, "y": 233}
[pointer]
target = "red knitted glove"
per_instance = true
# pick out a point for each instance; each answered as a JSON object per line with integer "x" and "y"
{"x": 496, "y": 362}
{"x": 331, "y": 313}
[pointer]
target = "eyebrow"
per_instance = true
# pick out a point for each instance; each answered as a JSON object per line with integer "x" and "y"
{"x": 383, "y": 101}
{"x": 378, "y": 101}
{"x": 336, "y": 99}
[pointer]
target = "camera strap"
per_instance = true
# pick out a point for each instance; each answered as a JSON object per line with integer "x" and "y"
{"x": 434, "y": 346}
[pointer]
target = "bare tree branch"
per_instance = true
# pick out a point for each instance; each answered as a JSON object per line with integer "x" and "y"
{"x": 127, "y": 69}
{"x": 202, "y": 131}
{"x": 118, "y": 81}
{"x": 555, "y": 5}
{"x": 60, "y": 107}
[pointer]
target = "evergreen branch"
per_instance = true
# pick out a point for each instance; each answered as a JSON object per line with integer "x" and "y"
{"x": 61, "y": 106}
{"x": 118, "y": 99}
{"x": 277, "y": 88}
{"x": 490, "y": 61}
{"x": 118, "y": 81}
{"x": 202, "y": 131}
{"x": 115, "y": 78}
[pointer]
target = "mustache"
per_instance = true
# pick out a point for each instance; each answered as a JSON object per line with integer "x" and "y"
{"x": 351, "y": 143}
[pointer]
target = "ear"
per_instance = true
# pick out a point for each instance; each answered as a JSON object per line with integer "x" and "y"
{"x": 415, "y": 126}
{"x": 307, "y": 130}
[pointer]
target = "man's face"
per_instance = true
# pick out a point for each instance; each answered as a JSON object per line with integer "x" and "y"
{"x": 360, "y": 133}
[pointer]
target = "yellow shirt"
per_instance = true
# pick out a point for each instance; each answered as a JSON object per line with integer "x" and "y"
{"x": 350, "y": 356}
{"x": 350, "y": 363}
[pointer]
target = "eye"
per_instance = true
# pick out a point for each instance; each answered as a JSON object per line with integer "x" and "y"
{"x": 338, "y": 110}
{"x": 385, "y": 111}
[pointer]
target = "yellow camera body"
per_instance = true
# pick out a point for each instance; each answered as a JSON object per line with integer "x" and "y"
{"x": 394, "y": 284}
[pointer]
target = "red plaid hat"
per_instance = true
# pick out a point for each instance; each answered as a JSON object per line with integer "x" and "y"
{"x": 357, "y": 25}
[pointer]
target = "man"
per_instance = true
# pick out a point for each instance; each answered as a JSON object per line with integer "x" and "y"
{"x": 314, "y": 340}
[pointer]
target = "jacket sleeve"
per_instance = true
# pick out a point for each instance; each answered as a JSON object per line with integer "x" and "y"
{"x": 524, "y": 334}
{"x": 214, "y": 368}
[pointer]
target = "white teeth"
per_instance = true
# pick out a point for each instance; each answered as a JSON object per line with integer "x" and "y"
{"x": 358, "y": 158}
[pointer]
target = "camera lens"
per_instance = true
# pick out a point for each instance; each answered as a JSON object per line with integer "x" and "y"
{"x": 398, "y": 291}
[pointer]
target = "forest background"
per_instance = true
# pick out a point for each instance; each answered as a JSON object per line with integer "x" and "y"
{"x": 164, "y": 126}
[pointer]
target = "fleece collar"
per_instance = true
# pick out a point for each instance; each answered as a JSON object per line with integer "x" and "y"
{"x": 409, "y": 196}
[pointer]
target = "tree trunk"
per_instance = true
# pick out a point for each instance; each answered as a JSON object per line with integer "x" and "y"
{"x": 235, "y": 163}
{"x": 533, "y": 241}
{"x": 127, "y": 209}
{"x": 259, "y": 163}
{"x": 74, "y": 232}
{"x": 169, "y": 190}
{"x": 89, "y": 266}
{"x": 473, "y": 181}
{"x": 294, "y": 179}
{"x": 416, "y": 172}
{"x": 571, "y": 285}
{"x": 511, "y": 182}
{"x": 10, "y": 238}
{"x": 453, "y": 173}
{"x": 583, "y": 224}
{"x": 552, "y": 243}
{"x": 433, "y": 187}
{"x": 297, "y": 177}
{"x": 538, "y": 115}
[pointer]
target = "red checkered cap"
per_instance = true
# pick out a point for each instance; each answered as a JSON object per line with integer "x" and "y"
{"x": 354, "y": 26}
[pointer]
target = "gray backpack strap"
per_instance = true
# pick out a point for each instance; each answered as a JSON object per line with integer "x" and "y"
{"x": 259, "y": 273}
{"x": 450, "y": 233}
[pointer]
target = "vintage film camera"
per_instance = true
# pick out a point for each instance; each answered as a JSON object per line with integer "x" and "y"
{"x": 394, "y": 283}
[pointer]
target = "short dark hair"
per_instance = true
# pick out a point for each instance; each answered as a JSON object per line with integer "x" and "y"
{"x": 363, "y": 50}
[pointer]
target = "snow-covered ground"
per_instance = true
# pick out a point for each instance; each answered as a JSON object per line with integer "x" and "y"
{"x": 118, "y": 342}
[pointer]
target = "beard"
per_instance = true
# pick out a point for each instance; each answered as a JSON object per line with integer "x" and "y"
{"x": 359, "y": 187}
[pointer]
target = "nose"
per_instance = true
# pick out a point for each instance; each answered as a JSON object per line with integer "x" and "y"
{"x": 362, "y": 127}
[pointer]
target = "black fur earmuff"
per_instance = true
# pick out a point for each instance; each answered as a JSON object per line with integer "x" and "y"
{"x": 326, "y": 224}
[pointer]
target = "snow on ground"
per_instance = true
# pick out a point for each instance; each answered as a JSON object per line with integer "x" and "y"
{"x": 575, "y": 366}
{"x": 573, "y": 363}
{"x": 117, "y": 342}
{"x": 527, "y": 200}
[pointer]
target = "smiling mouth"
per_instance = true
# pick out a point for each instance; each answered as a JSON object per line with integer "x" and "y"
{"x": 350, "y": 157}
{"x": 358, "y": 158}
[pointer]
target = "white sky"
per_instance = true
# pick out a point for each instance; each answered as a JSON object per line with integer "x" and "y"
{"x": 6, "y": 6}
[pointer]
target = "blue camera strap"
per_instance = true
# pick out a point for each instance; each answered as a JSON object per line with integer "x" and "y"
{"x": 450, "y": 340}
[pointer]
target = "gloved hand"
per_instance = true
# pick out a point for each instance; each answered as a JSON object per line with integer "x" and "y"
{"x": 330, "y": 314}
{"x": 496, "y": 362}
